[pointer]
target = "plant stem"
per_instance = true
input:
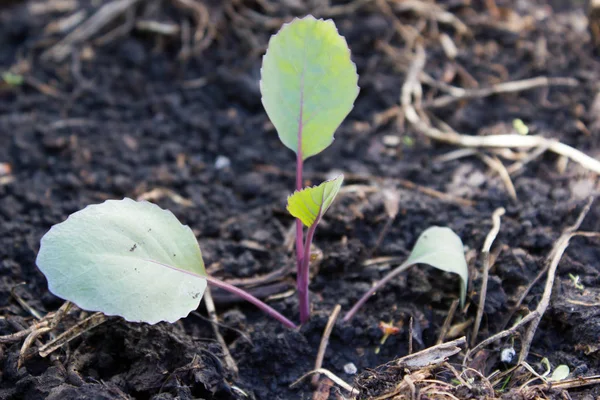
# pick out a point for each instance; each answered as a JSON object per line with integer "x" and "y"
{"x": 299, "y": 227}
{"x": 249, "y": 298}
{"x": 303, "y": 295}
{"x": 301, "y": 283}
{"x": 375, "y": 288}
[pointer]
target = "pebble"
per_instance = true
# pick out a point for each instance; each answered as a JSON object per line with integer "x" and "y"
{"x": 350, "y": 369}
{"x": 222, "y": 162}
{"x": 391, "y": 140}
{"x": 508, "y": 355}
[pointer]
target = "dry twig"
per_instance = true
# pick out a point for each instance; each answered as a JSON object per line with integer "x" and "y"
{"x": 487, "y": 245}
{"x": 325, "y": 341}
{"x": 212, "y": 315}
{"x": 412, "y": 87}
{"x": 504, "y": 87}
{"x": 105, "y": 15}
{"x": 555, "y": 255}
{"x": 535, "y": 316}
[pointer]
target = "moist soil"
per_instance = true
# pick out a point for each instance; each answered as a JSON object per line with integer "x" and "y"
{"x": 127, "y": 114}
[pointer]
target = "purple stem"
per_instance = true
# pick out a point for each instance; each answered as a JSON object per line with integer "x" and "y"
{"x": 375, "y": 288}
{"x": 299, "y": 227}
{"x": 301, "y": 282}
{"x": 303, "y": 295}
{"x": 249, "y": 298}
{"x": 234, "y": 290}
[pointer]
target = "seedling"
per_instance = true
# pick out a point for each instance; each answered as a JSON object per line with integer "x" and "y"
{"x": 439, "y": 247}
{"x": 387, "y": 329}
{"x": 308, "y": 85}
{"x": 131, "y": 259}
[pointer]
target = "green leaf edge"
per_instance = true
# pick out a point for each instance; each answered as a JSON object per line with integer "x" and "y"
{"x": 464, "y": 277}
{"x": 307, "y": 217}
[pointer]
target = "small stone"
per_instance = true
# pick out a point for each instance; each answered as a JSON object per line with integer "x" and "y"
{"x": 508, "y": 355}
{"x": 391, "y": 140}
{"x": 222, "y": 162}
{"x": 350, "y": 369}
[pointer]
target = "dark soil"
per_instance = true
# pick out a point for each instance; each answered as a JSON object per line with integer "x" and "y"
{"x": 127, "y": 116}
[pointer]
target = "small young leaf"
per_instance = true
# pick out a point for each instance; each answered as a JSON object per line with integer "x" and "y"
{"x": 309, "y": 204}
{"x": 308, "y": 83}
{"x": 560, "y": 373}
{"x": 126, "y": 258}
{"x": 441, "y": 248}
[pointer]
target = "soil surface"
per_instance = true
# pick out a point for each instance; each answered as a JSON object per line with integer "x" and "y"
{"x": 129, "y": 112}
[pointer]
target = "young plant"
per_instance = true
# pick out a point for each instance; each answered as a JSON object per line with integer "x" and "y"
{"x": 308, "y": 85}
{"x": 437, "y": 246}
{"x": 131, "y": 259}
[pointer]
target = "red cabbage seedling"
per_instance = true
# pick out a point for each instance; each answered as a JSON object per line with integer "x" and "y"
{"x": 131, "y": 259}
{"x": 437, "y": 246}
{"x": 308, "y": 85}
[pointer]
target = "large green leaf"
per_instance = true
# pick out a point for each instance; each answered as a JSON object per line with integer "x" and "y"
{"x": 441, "y": 248}
{"x": 126, "y": 258}
{"x": 308, "y": 83}
{"x": 309, "y": 204}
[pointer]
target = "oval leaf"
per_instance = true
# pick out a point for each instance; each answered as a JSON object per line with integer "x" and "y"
{"x": 309, "y": 204}
{"x": 126, "y": 258}
{"x": 441, "y": 248}
{"x": 308, "y": 83}
{"x": 560, "y": 373}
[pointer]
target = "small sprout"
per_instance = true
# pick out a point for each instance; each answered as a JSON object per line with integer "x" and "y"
{"x": 546, "y": 363}
{"x": 560, "y": 373}
{"x": 388, "y": 329}
{"x": 520, "y": 127}
{"x": 12, "y": 79}
{"x": 309, "y": 204}
{"x": 308, "y": 86}
{"x": 408, "y": 141}
{"x": 437, "y": 246}
{"x": 576, "y": 282}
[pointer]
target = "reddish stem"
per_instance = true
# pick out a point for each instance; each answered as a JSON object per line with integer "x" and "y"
{"x": 303, "y": 293}
{"x": 299, "y": 227}
{"x": 375, "y": 288}
{"x": 251, "y": 299}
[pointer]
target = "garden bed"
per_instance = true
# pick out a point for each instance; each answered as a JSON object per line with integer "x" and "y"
{"x": 133, "y": 111}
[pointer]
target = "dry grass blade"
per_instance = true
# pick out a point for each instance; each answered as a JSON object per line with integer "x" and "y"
{"x": 412, "y": 87}
{"x": 504, "y": 87}
{"x": 77, "y": 330}
{"x": 337, "y": 380}
{"x": 32, "y": 337}
{"x": 431, "y": 11}
{"x": 448, "y": 321}
{"x": 535, "y": 316}
{"x": 487, "y": 245}
{"x": 105, "y": 15}
{"x": 434, "y": 355}
{"x": 495, "y": 164}
{"x": 212, "y": 315}
{"x": 555, "y": 256}
{"x": 324, "y": 341}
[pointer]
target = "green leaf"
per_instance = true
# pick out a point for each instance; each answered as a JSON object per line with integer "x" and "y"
{"x": 309, "y": 204}
{"x": 441, "y": 248}
{"x": 126, "y": 258}
{"x": 308, "y": 83}
{"x": 560, "y": 373}
{"x": 12, "y": 79}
